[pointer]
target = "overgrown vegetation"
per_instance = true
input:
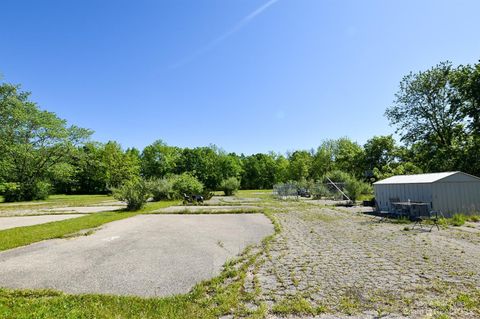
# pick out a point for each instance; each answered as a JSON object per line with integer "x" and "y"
{"x": 135, "y": 193}
{"x": 230, "y": 186}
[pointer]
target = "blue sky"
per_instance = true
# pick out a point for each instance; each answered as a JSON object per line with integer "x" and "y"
{"x": 247, "y": 75}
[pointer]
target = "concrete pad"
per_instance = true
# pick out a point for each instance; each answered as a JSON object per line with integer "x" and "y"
{"x": 208, "y": 209}
{"x": 12, "y": 222}
{"x": 146, "y": 255}
{"x": 84, "y": 209}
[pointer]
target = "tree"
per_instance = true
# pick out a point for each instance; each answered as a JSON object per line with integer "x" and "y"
{"x": 324, "y": 159}
{"x": 32, "y": 141}
{"x": 428, "y": 113}
{"x": 349, "y": 157}
{"x": 91, "y": 170}
{"x": 259, "y": 171}
{"x": 379, "y": 152}
{"x": 300, "y": 165}
{"x": 159, "y": 160}
{"x": 120, "y": 166}
{"x": 201, "y": 162}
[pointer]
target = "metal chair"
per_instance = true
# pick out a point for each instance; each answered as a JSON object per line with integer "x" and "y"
{"x": 426, "y": 215}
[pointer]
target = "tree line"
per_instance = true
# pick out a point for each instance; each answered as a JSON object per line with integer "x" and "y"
{"x": 436, "y": 113}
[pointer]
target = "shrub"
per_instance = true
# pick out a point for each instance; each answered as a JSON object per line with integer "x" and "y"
{"x": 135, "y": 193}
{"x": 319, "y": 190}
{"x": 337, "y": 177}
{"x": 186, "y": 184}
{"x": 15, "y": 192}
{"x": 355, "y": 188}
{"x": 161, "y": 189}
{"x": 230, "y": 186}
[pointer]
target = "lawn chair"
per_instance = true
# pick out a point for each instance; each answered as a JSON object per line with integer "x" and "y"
{"x": 426, "y": 215}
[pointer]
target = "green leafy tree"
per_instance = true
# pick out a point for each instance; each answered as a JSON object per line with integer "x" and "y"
{"x": 120, "y": 166}
{"x": 32, "y": 141}
{"x": 91, "y": 170}
{"x": 201, "y": 162}
{"x": 159, "y": 160}
{"x": 300, "y": 165}
{"x": 379, "y": 151}
{"x": 324, "y": 159}
{"x": 349, "y": 157}
{"x": 259, "y": 171}
{"x": 428, "y": 115}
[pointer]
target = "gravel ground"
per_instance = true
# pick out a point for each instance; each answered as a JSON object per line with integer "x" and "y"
{"x": 12, "y": 222}
{"x": 146, "y": 255}
{"x": 351, "y": 264}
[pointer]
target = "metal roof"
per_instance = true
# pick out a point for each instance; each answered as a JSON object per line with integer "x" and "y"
{"x": 416, "y": 179}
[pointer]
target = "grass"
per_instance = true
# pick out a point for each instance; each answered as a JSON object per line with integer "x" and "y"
{"x": 56, "y": 201}
{"x": 459, "y": 220}
{"x": 297, "y": 305}
{"x": 21, "y": 236}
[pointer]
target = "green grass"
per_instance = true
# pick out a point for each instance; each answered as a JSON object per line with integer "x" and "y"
{"x": 20, "y": 236}
{"x": 57, "y": 201}
{"x": 297, "y": 305}
{"x": 51, "y": 304}
{"x": 459, "y": 220}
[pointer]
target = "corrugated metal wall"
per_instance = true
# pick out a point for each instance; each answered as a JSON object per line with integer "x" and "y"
{"x": 404, "y": 192}
{"x": 456, "y": 197}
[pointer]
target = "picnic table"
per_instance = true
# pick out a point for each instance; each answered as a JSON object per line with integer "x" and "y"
{"x": 410, "y": 209}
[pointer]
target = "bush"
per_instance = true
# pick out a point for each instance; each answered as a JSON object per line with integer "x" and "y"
{"x": 319, "y": 190}
{"x": 230, "y": 186}
{"x": 16, "y": 192}
{"x": 186, "y": 184}
{"x": 135, "y": 193}
{"x": 355, "y": 188}
{"x": 161, "y": 189}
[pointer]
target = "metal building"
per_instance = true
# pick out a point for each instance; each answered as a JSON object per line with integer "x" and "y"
{"x": 448, "y": 192}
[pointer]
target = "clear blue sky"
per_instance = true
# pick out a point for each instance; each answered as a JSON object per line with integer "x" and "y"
{"x": 247, "y": 75}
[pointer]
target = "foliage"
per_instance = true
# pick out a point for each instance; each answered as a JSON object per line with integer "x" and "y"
{"x": 186, "y": 184}
{"x": 261, "y": 171}
{"x": 300, "y": 165}
{"x": 161, "y": 189}
{"x": 134, "y": 192}
{"x": 320, "y": 190}
{"x": 32, "y": 141}
{"x": 15, "y": 192}
{"x": 380, "y": 151}
{"x": 436, "y": 113}
{"x": 354, "y": 188}
{"x": 159, "y": 160}
{"x": 229, "y": 186}
{"x": 120, "y": 166}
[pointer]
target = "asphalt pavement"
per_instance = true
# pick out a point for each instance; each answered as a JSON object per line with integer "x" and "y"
{"x": 146, "y": 255}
